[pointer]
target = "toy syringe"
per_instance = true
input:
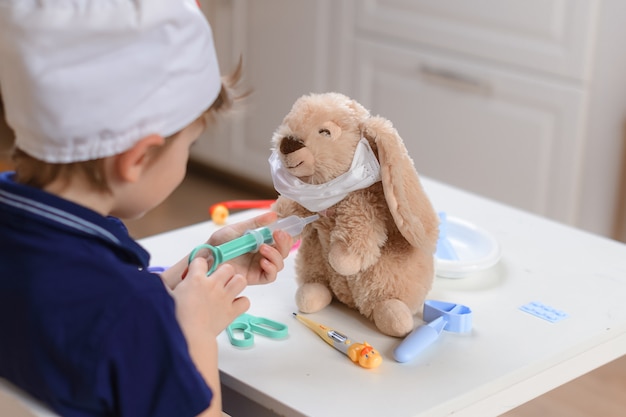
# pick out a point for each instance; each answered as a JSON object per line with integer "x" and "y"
{"x": 360, "y": 353}
{"x": 250, "y": 241}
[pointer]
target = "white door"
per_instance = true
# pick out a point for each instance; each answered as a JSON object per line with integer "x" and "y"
{"x": 507, "y": 136}
{"x": 554, "y": 36}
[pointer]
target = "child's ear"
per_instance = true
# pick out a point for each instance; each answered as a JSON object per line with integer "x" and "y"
{"x": 131, "y": 163}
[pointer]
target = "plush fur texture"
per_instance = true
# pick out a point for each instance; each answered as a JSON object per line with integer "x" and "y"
{"x": 373, "y": 250}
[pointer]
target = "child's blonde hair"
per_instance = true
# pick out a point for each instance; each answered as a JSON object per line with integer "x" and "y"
{"x": 36, "y": 173}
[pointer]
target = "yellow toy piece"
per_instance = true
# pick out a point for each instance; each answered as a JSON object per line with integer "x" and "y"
{"x": 365, "y": 355}
{"x": 219, "y": 214}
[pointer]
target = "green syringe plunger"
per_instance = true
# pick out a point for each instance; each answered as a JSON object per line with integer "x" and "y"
{"x": 250, "y": 241}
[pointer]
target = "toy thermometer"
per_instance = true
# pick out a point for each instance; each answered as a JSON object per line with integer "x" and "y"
{"x": 362, "y": 354}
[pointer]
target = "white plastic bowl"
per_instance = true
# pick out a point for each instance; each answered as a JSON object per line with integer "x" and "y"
{"x": 475, "y": 248}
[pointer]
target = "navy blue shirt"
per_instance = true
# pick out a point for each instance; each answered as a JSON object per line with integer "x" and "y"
{"x": 83, "y": 326}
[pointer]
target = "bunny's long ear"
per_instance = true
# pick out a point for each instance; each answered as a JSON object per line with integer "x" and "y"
{"x": 410, "y": 207}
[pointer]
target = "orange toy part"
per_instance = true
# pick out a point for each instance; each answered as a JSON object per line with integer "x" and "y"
{"x": 219, "y": 211}
{"x": 365, "y": 355}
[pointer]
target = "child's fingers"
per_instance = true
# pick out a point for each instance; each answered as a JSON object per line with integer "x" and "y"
{"x": 274, "y": 255}
{"x": 255, "y": 222}
{"x": 283, "y": 242}
{"x": 237, "y": 229}
{"x": 235, "y": 285}
{"x": 270, "y": 271}
{"x": 241, "y": 305}
{"x": 263, "y": 219}
{"x": 197, "y": 266}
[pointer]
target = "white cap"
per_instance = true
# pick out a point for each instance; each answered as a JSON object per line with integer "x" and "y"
{"x": 86, "y": 79}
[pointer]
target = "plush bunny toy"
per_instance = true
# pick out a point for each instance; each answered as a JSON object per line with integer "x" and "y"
{"x": 373, "y": 247}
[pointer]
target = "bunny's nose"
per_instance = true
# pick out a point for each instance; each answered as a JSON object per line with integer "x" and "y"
{"x": 290, "y": 144}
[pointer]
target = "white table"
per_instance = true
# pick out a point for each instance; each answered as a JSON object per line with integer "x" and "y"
{"x": 509, "y": 357}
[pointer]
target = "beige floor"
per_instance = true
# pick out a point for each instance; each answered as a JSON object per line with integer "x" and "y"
{"x": 599, "y": 393}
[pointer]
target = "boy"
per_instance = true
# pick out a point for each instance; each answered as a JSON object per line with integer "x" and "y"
{"x": 105, "y": 98}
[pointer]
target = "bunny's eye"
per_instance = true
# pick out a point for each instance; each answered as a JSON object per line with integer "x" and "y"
{"x": 324, "y": 132}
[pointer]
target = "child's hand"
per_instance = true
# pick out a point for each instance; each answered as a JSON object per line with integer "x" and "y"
{"x": 206, "y": 305}
{"x": 263, "y": 266}
{"x": 258, "y": 268}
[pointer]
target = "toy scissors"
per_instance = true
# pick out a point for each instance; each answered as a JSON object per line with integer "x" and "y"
{"x": 247, "y": 324}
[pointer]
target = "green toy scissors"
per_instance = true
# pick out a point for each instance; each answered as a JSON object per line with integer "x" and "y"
{"x": 240, "y": 331}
